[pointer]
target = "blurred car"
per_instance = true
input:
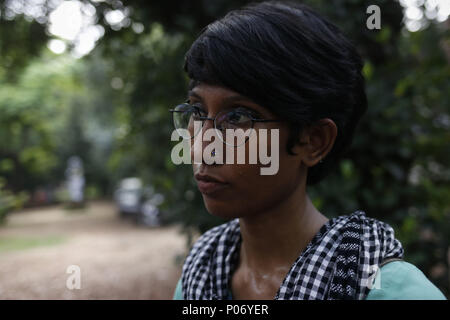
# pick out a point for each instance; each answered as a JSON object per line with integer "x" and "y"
{"x": 138, "y": 202}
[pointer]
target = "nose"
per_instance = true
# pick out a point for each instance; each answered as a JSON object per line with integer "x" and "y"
{"x": 199, "y": 144}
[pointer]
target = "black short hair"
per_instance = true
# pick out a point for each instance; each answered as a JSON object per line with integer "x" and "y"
{"x": 290, "y": 60}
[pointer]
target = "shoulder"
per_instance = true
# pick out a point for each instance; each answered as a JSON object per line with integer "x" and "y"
{"x": 374, "y": 228}
{"x": 400, "y": 280}
{"x": 377, "y": 239}
{"x": 371, "y": 228}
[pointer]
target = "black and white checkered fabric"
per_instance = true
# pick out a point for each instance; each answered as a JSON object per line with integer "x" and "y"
{"x": 339, "y": 263}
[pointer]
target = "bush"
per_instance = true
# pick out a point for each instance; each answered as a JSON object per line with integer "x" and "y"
{"x": 9, "y": 201}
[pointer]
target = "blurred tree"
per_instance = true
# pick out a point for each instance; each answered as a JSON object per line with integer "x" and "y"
{"x": 26, "y": 135}
{"x": 50, "y": 113}
{"x": 16, "y": 49}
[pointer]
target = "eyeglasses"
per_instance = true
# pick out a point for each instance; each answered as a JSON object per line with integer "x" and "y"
{"x": 185, "y": 114}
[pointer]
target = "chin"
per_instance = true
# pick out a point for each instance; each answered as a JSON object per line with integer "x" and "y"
{"x": 221, "y": 209}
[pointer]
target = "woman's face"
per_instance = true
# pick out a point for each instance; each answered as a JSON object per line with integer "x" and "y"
{"x": 242, "y": 190}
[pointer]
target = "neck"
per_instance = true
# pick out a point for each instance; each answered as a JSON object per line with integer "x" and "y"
{"x": 272, "y": 240}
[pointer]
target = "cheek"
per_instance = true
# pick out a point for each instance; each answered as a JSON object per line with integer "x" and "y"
{"x": 251, "y": 192}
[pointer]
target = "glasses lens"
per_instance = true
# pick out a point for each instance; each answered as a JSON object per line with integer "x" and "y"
{"x": 234, "y": 120}
{"x": 184, "y": 116}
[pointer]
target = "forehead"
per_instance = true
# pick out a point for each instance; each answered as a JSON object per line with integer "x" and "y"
{"x": 222, "y": 97}
{"x": 219, "y": 95}
{"x": 209, "y": 91}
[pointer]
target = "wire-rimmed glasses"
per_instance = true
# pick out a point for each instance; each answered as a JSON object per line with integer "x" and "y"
{"x": 185, "y": 115}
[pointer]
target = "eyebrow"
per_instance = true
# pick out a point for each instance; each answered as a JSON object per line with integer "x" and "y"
{"x": 229, "y": 99}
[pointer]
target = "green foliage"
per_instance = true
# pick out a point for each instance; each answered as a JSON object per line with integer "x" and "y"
{"x": 16, "y": 47}
{"x": 27, "y": 137}
{"x": 49, "y": 113}
{"x": 9, "y": 201}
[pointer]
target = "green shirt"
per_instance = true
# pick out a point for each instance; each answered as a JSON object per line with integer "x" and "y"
{"x": 397, "y": 280}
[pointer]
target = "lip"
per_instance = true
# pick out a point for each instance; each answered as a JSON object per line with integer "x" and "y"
{"x": 209, "y": 185}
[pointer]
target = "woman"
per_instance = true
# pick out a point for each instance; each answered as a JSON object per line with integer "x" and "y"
{"x": 279, "y": 66}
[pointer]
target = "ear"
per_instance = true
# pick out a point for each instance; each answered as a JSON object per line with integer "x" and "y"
{"x": 316, "y": 141}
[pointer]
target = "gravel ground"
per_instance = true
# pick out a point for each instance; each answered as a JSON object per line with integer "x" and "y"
{"x": 117, "y": 259}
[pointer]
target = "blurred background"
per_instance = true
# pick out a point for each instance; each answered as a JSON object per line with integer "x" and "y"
{"x": 86, "y": 177}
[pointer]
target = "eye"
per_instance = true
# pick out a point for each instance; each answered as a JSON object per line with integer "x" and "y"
{"x": 198, "y": 109}
{"x": 240, "y": 115}
{"x": 236, "y": 117}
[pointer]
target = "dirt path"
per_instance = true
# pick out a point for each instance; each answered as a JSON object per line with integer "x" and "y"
{"x": 117, "y": 259}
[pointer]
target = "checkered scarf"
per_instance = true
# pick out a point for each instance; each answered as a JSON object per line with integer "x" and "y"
{"x": 340, "y": 262}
